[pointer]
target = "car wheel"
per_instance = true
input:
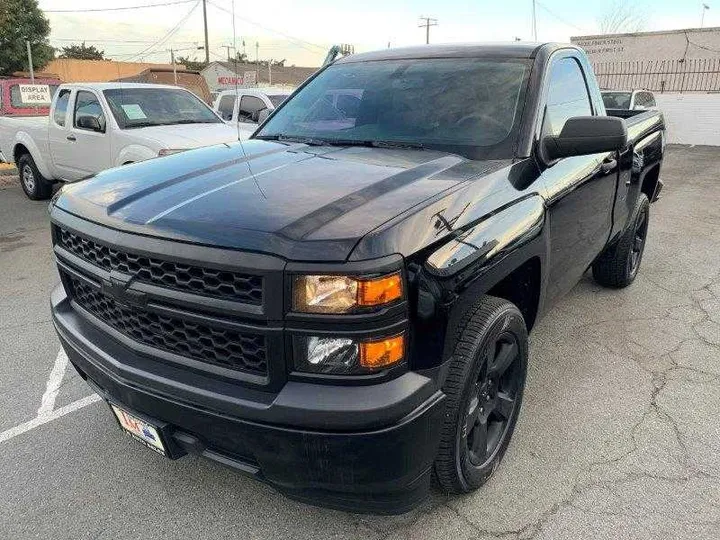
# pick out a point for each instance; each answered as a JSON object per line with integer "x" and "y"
{"x": 483, "y": 388}
{"x": 618, "y": 266}
{"x": 34, "y": 184}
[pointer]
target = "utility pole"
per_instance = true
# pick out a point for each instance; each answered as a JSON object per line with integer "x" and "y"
{"x": 257, "y": 54}
{"x": 270, "y": 71}
{"x": 227, "y": 47}
{"x": 705, "y": 7}
{"x": 427, "y": 24}
{"x": 172, "y": 61}
{"x": 534, "y": 22}
{"x": 32, "y": 71}
{"x": 207, "y": 45}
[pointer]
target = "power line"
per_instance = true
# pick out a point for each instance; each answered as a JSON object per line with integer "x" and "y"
{"x": 144, "y": 6}
{"x": 559, "y": 18}
{"x": 169, "y": 33}
{"x": 298, "y": 41}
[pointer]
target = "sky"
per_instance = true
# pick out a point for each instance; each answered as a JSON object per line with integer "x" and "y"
{"x": 301, "y": 31}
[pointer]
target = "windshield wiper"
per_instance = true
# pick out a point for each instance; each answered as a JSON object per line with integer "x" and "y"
{"x": 289, "y": 138}
{"x": 397, "y": 144}
{"x": 141, "y": 124}
{"x": 192, "y": 122}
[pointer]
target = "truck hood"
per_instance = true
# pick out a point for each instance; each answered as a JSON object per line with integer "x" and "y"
{"x": 296, "y": 201}
{"x": 190, "y": 135}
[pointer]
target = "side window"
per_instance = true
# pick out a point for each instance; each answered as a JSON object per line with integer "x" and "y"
{"x": 61, "y": 107}
{"x": 640, "y": 100}
{"x": 250, "y": 106}
{"x": 567, "y": 95}
{"x": 88, "y": 112}
{"x": 649, "y": 99}
{"x": 225, "y": 107}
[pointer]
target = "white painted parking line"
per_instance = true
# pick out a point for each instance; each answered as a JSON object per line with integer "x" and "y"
{"x": 54, "y": 415}
{"x": 47, "y": 411}
{"x": 53, "y": 384}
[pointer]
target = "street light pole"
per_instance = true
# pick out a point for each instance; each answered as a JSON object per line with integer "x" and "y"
{"x": 705, "y": 7}
{"x": 172, "y": 61}
{"x": 30, "y": 62}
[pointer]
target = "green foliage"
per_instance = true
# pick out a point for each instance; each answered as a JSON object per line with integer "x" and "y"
{"x": 82, "y": 52}
{"x": 21, "y": 20}
{"x": 190, "y": 64}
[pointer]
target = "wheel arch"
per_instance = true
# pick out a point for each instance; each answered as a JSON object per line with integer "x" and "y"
{"x": 25, "y": 145}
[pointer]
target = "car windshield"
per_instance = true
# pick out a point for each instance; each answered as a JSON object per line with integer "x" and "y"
{"x": 453, "y": 104}
{"x": 617, "y": 100}
{"x": 144, "y": 107}
{"x": 277, "y": 99}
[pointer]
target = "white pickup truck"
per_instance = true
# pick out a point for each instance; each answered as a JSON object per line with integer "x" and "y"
{"x": 96, "y": 126}
{"x": 249, "y": 106}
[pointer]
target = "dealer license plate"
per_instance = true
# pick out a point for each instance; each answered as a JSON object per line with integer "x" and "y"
{"x": 139, "y": 430}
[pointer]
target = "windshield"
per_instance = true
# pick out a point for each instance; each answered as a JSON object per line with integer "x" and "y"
{"x": 454, "y": 104}
{"x": 277, "y": 99}
{"x": 143, "y": 107}
{"x": 617, "y": 100}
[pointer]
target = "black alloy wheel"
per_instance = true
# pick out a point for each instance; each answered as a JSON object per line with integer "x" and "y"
{"x": 494, "y": 400}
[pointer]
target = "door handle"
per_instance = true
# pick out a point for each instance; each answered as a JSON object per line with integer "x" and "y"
{"x": 71, "y": 138}
{"x": 608, "y": 165}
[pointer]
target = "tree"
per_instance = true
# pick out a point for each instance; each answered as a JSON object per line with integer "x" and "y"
{"x": 22, "y": 20}
{"x": 191, "y": 64}
{"x": 82, "y": 52}
{"x": 622, "y": 16}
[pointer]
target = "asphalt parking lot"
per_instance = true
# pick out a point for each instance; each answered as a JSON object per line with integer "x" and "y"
{"x": 619, "y": 435}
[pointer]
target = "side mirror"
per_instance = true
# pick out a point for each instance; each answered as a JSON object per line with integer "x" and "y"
{"x": 262, "y": 115}
{"x": 89, "y": 122}
{"x": 583, "y": 135}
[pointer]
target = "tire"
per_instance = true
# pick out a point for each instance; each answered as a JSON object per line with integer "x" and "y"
{"x": 481, "y": 413}
{"x": 619, "y": 264}
{"x": 34, "y": 184}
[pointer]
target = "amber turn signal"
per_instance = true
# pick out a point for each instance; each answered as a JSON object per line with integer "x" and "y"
{"x": 374, "y": 292}
{"x": 382, "y": 353}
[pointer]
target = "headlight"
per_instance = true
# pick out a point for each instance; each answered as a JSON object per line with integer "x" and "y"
{"x": 170, "y": 151}
{"x": 344, "y": 356}
{"x": 342, "y": 294}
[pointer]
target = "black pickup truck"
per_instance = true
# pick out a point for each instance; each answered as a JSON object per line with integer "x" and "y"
{"x": 340, "y": 306}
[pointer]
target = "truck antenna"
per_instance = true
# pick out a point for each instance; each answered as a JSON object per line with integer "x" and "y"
{"x": 235, "y": 103}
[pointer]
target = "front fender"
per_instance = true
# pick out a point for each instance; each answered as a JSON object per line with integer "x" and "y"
{"x": 482, "y": 244}
{"x": 134, "y": 153}
{"x": 43, "y": 165}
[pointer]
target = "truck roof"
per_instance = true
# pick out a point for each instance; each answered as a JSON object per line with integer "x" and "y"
{"x": 450, "y": 50}
{"x": 113, "y": 85}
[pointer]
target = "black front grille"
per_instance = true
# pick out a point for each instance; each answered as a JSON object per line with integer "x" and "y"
{"x": 219, "y": 346}
{"x": 195, "y": 279}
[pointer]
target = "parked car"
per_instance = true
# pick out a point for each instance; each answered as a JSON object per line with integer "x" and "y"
{"x": 629, "y": 100}
{"x": 246, "y": 104}
{"x": 96, "y": 126}
{"x": 341, "y": 310}
{"x": 11, "y": 98}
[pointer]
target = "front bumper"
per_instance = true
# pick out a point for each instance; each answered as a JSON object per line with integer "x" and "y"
{"x": 361, "y": 448}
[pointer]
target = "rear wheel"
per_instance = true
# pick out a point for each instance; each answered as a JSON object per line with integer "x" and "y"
{"x": 34, "y": 184}
{"x": 484, "y": 391}
{"x": 618, "y": 266}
